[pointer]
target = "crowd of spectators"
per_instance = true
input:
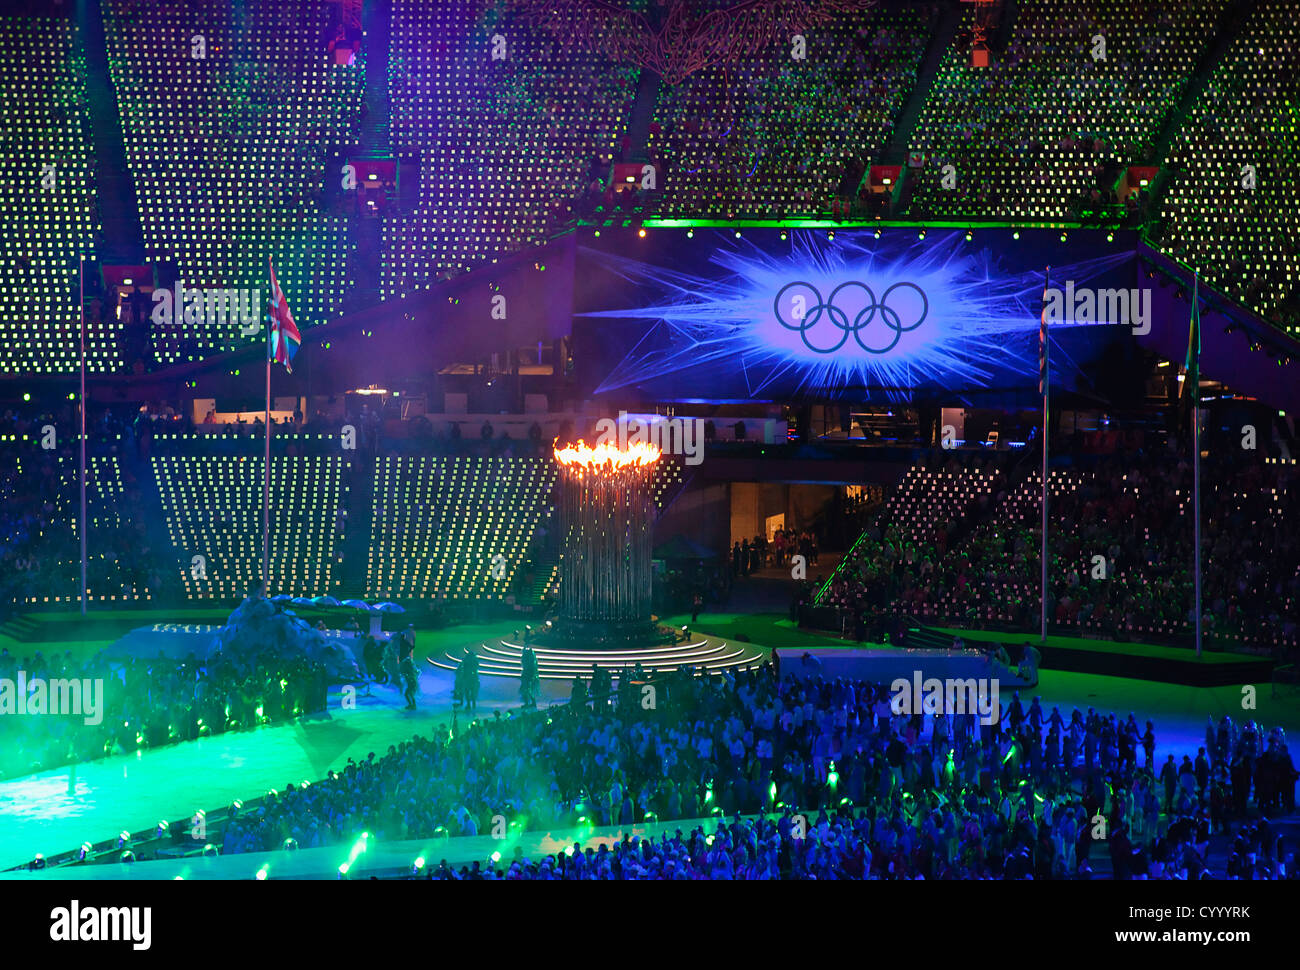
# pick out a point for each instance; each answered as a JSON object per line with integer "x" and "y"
{"x": 751, "y": 555}
{"x": 1047, "y": 126}
{"x": 40, "y": 550}
{"x": 773, "y": 134}
{"x": 845, "y": 788}
{"x": 1133, "y": 512}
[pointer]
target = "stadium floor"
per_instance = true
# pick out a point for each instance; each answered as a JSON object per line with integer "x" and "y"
{"x": 134, "y": 791}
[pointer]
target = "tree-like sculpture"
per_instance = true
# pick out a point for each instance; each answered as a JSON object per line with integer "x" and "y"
{"x": 606, "y": 517}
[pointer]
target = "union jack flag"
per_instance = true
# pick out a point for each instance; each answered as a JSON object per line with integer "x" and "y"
{"x": 284, "y": 338}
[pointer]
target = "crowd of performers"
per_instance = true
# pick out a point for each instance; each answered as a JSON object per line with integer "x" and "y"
{"x": 391, "y": 662}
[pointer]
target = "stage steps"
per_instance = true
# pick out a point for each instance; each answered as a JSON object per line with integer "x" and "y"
{"x": 503, "y": 658}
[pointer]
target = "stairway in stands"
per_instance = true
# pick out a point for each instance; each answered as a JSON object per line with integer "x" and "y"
{"x": 123, "y": 238}
{"x": 373, "y": 142}
{"x": 350, "y": 580}
{"x": 941, "y": 37}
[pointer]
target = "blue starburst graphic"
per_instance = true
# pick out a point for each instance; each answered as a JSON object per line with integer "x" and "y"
{"x": 882, "y": 317}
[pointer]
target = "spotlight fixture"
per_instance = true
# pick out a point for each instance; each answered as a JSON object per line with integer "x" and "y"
{"x": 969, "y": 235}
{"x": 690, "y": 233}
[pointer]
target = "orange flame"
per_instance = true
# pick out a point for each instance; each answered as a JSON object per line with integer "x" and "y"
{"x": 608, "y": 456}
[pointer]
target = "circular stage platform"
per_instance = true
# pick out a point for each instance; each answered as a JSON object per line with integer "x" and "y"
{"x": 503, "y": 658}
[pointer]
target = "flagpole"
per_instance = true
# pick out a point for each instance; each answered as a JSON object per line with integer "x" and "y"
{"x": 266, "y": 481}
{"x": 81, "y": 287}
{"x": 1194, "y": 377}
{"x": 1043, "y": 379}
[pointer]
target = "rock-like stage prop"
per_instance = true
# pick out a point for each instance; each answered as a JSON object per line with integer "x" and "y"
{"x": 260, "y": 631}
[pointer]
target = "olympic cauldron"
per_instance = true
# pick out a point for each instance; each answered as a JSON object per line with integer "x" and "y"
{"x": 606, "y": 518}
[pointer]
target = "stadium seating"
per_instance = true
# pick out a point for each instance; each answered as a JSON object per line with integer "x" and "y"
{"x": 773, "y": 138}
{"x": 504, "y": 145}
{"x": 1121, "y": 546}
{"x": 927, "y": 498}
{"x": 39, "y": 539}
{"x": 228, "y": 118}
{"x": 439, "y": 524}
{"x": 230, "y": 115}
{"x": 47, "y": 200}
{"x": 1232, "y": 208}
{"x": 927, "y": 504}
{"x": 1030, "y": 135}
{"x": 212, "y": 507}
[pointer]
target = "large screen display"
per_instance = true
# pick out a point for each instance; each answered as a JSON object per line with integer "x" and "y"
{"x": 712, "y": 315}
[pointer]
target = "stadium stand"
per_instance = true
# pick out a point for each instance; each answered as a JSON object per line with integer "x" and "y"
{"x": 212, "y": 508}
{"x": 439, "y": 524}
{"x": 48, "y": 200}
{"x": 228, "y": 119}
{"x": 773, "y": 138}
{"x": 504, "y": 144}
{"x": 1133, "y": 514}
{"x": 1044, "y": 130}
{"x": 1232, "y": 206}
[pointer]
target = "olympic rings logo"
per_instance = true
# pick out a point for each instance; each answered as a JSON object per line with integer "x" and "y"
{"x": 808, "y": 309}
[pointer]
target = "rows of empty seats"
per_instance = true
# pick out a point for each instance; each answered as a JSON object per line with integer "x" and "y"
{"x": 927, "y": 505}
{"x": 927, "y": 497}
{"x": 773, "y": 137}
{"x": 504, "y": 143}
{"x": 1081, "y": 91}
{"x": 47, "y": 203}
{"x": 1232, "y": 207}
{"x": 454, "y": 528}
{"x": 212, "y": 509}
{"x": 464, "y": 529}
{"x": 228, "y": 116}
